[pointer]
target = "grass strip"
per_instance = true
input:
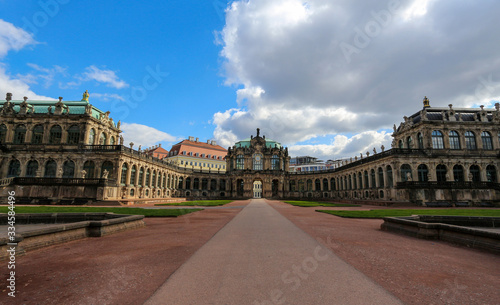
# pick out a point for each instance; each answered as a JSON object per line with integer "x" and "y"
{"x": 204, "y": 203}
{"x": 319, "y": 204}
{"x": 408, "y": 212}
{"x": 128, "y": 211}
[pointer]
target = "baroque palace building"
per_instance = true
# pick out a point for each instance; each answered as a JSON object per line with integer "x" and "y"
{"x": 70, "y": 152}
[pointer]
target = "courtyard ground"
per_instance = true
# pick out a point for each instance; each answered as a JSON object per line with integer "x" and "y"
{"x": 128, "y": 267}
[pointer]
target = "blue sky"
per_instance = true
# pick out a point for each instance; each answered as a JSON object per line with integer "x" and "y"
{"x": 326, "y": 78}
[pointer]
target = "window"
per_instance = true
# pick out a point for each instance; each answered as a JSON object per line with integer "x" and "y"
{"x": 141, "y": 176}
{"x": 14, "y": 169}
{"x": 153, "y": 181}
{"x": 366, "y": 180}
{"x": 275, "y": 162}
{"x": 89, "y": 168}
{"x": 458, "y": 173}
{"x": 470, "y": 140}
{"x": 325, "y": 185}
{"x": 55, "y": 135}
{"x": 380, "y": 177}
{"x": 422, "y": 172}
{"x": 491, "y": 173}
{"x": 92, "y": 136}
{"x": 50, "y": 169}
{"x": 196, "y": 183}
{"x": 112, "y": 141}
{"x": 257, "y": 162}
{"x": 301, "y": 185}
{"x": 31, "y": 168}
{"x": 454, "y": 140}
{"x": 73, "y": 134}
{"x": 3, "y": 133}
{"x": 148, "y": 176}
{"x": 68, "y": 169}
{"x": 401, "y": 144}
{"x": 309, "y": 185}
{"x": 409, "y": 142}
{"x": 19, "y": 134}
{"x": 474, "y": 173}
{"x": 486, "y": 139}
{"x": 372, "y": 174}
{"x": 102, "y": 139}
{"x": 107, "y": 166}
{"x": 123, "y": 178}
{"x": 133, "y": 175}
{"x": 37, "y": 135}
{"x": 360, "y": 179}
{"x": 406, "y": 173}
{"x": 441, "y": 173}
{"x": 389, "y": 176}
{"x": 420, "y": 141}
{"x": 317, "y": 185}
{"x": 240, "y": 161}
{"x": 437, "y": 140}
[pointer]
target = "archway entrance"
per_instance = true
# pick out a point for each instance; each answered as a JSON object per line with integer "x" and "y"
{"x": 257, "y": 189}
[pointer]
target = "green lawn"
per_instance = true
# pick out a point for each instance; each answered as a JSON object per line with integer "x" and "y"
{"x": 409, "y": 212}
{"x": 132, "y": 211}
{"x": 319, "y": 204}
{"x": 205, "y": 203}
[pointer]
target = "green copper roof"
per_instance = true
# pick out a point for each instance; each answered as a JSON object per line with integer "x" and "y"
{"x": 75, "y": 107}
{"x": 246, "y": 143}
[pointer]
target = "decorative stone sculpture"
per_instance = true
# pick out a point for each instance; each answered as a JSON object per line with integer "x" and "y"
{"x": 382, "y": 148}
{"x": 121, "y": 140}
{"x": 105, "y": 174}
{"x": 84, "y": 174}
{"x": 86, "y": 96}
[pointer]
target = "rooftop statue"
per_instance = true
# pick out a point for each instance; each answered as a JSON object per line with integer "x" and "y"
{"x": 86, "y": 96}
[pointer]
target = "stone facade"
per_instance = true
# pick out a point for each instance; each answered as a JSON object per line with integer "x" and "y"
{"x": 62, "y": 151}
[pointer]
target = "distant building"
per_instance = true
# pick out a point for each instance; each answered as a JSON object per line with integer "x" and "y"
{"x": 157, "y": 151}
{"x": 191, "y": 153}
{"x": 308, "y": 164}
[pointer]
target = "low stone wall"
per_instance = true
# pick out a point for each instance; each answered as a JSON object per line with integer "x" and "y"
{"x": 66, "y": 227}
{"x": 462, "y": 230}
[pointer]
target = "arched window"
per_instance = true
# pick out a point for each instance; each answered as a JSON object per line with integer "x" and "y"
{"x": 389, "y": 176}
{"x": 196, "y": 183}
{"x": 68, "y": 169}
{"x": 301, "y": 185}
{"x": 332, "y": 184}
{"x": 454, "y": 139}
{"x": 406, "y": 172}
{"x": 123, "y": 178}
{"x": 275, "y": 162}
{"x": 458, "y": 173}
{"x": 73, "y": 134}
{"x": 91, "y": 136}
{"x": 354, "y": 182}
{"x": 108, "y": 166}
{"x": 441, "y": 171}
{"x": 153, "y": 180}
{"x": 409, "y": 142}
{"x": 360, "y": 179}
{"x": 133, "y": 175}
{"x": 240, "y": 162}
{"x": 222, "y": 184}
{"x": 213, "y": 185}
{"x": 102, "y": 139}
{"x": 470, "y": 140}
{"x": 112, "y": 141}
{"x": 325, "y": 185}
{"x": 55, "y": 135}
{"x": 141, "y": 177}
{"x": 486, "y": 139}
{"x": 309, "y": 185}
{"x": 37, "y": 135}
{"x": 475, "y": 175}
{"x": 50, "y": 169}
{"x": 423, "y": 172}
{"x": 89, "y": 168}
{"x": 257, "y": 162}
{"x": 188, "y": 183}
{"x": 19, "y": 134}
{"x": 181, "y": 181}
{"x": 317, "y": 185}
{"x": 491, "y": 173}
{"x": 367, "y": 185}
{"x": 204, "y": 184}
{"x": 292, "y": 186}
{"x": 31, "y": 168}
{"x": 380, "y": 177}
{"x": 374, "y": 183}
{"x": 437, "y": 140}
{"x": 3, "y": 133}
{"x": 401, "y": 145}
{"x": 148, "y": 177}
{"x": 14, "y": 169}
{"x": 420, "y": 141}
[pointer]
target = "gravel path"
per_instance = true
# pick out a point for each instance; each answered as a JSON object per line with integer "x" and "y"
{"x": 260, "y": 257}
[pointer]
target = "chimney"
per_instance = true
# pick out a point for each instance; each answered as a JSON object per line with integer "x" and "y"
{"x": 197, "y": 139}
{"x": 208, "y": 141}
{"x": 191, "y": 139}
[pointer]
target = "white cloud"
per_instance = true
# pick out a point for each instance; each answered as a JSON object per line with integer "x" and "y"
{"x": 13, "y": 38}
{"x": 143, "y": 135}
{"x": 297, "y": 83}
{"x": 107, "y": 96}
{"x": 18, "y": 87}
{"x": 108, "y": 77}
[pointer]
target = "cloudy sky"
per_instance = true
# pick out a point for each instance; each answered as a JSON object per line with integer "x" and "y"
{"x": 326, "y": 78}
